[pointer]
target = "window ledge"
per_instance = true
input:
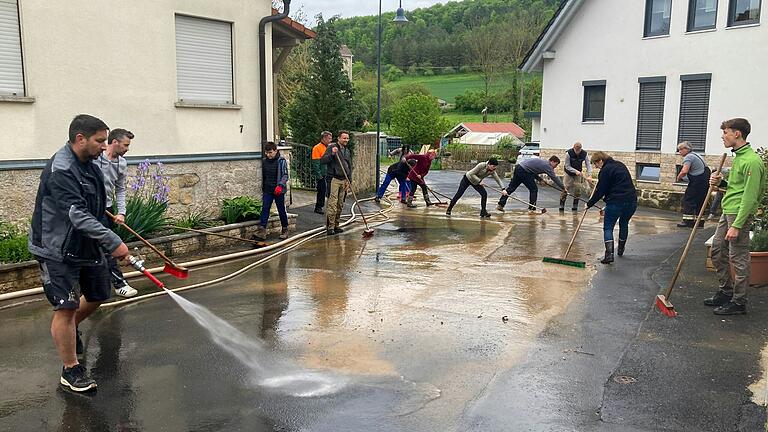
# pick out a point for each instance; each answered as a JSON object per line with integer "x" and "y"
{"x": 679, "y": 184}
{"x": 207, "y": 105}
{"x": 647, "y": 150}
{"x": 649, "y": 181}
{"x": 656, "y": 37}
{"x": 593, "y": 122}
{"x": 706, "y": 30}
{"x": 739, "y": 26}
{"x": 16, "y": 99}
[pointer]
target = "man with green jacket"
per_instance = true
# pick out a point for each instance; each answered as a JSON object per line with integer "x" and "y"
{"x": 730, "y": 248}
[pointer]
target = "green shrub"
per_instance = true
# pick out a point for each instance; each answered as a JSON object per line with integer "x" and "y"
{"x": 466, "y": 69}
{"x": 393, "y": 73}
{"x": 197, "y": 219}
{"x": 14, "y": 249}
{"x": 759, "y": 242}
{"x": 9, "y": 230}
{"x": 761, "y": 216}
{"x": 239, "y": 209}
{"x": 144, "y": 215}
{"x": 428, "y": 72}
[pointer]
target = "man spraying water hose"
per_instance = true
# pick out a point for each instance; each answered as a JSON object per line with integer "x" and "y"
{"x": 68, "y": 238}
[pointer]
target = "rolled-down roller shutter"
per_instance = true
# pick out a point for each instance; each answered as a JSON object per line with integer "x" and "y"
{"x": 204, "y": 60}
{"x": 11, "y": 68}
{"x": 694, "y": 110}
{"x": 650, "y": 114}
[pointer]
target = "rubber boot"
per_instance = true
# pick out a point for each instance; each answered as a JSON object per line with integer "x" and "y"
{"x": 427, "y": 201}
{"x": 284, "y": 233}
{"x": 575, "y": 205}
{"x": 620, "y": 249}
{"x": 608, "y": 258}
{"x": 562, "y": 205}
{"x": 409, "y": 202}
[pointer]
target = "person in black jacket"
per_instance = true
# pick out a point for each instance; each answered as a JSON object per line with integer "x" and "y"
{"x": 615, "y": 187}
{"x": 69, "y": 237}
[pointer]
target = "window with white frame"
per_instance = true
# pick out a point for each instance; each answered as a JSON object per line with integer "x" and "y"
{"x": 11, "y": 65}
{"x": 743, "y": 12}
{"x": 702, "y": 14}
{"x": 204, "y": 61}
{"x": 594, "y": 101}
{"x": 658, "y": 14}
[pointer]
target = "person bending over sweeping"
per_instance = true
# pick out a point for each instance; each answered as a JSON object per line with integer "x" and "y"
{"x": 527, "y": 172}
{"x": 417, "y": 174}
{"x": 575, "y": 180}
{"x": 615, "y": 187}
{"x": 730, "y": 247}
{"x": 473, "y": 178}
{"x": 398, "y": 171}
{"x": 274, "y": 178}
{"x": 698, "y": 183}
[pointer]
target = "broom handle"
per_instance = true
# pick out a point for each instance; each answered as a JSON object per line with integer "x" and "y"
{"x": 217, "y": 234}
{"x": 573, "y": 196}
{"x": 149, "y": 245}
{"x": 575, "y": 233}
{"x": 349, "y": 182}
{"x": 510, "y": 196}
{"x": 693, "y": 231}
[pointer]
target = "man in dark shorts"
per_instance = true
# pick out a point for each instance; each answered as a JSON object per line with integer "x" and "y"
{"x": 68, "y": 238}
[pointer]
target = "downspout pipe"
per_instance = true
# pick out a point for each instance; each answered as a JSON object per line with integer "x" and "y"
{"x": 263, "y": 67}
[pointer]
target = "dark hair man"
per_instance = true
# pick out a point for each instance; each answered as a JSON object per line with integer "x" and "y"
{"x": 473, "y": 178}
{"x": 68, "y": 238}
{"x": 730, "y": 247}
{"x": 274, "y": 182}
{"x": 339, "y": 184}
{"x": 115, "y": 169}
{"x": 527, "y": 172}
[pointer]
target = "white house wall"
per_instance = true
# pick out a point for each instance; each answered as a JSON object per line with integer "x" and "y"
{"x": 605, "y": 42}
{"x": 116, "y": 60}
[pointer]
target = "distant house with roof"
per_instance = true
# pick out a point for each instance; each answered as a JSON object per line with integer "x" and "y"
{"x": 346, "y": 58}
{"x": 484, "y": 134}
{"x": 635, "y": 78}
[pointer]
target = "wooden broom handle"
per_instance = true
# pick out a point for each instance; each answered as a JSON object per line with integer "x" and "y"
{"x": 693, "y": 231}
{"x": 149, "y": 245}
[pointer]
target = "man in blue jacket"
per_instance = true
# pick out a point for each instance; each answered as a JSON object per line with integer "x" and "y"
{"x": 274, "y": 181}
{"x": 68, "y": 238}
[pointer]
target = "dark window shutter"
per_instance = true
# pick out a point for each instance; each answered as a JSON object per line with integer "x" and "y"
{"x": 650, "y": 115}
{"x": 694, "y": 109}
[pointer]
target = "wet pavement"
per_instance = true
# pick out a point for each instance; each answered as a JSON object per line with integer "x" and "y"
{"x": 435, "y": 324}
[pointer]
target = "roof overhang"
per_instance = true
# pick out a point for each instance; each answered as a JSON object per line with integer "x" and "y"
{"x": 542, "y": 48}
{"x": 289, "y": 33}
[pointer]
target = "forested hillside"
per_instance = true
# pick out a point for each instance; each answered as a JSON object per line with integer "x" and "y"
{"x": 443, "y": 35}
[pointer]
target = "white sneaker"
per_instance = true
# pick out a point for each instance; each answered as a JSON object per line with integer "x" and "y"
{"x": 126, "y": 291}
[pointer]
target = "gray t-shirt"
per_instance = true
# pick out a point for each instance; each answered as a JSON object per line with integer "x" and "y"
{"x": 115, "y": 173}
{"x": 695, "y": 163}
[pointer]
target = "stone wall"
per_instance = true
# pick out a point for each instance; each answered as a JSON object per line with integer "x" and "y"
{"x": 364, "y": 162}
{"x": 21, "y": 276}
{"x": 194, "y": 185}
{"x": 664, "y": 194}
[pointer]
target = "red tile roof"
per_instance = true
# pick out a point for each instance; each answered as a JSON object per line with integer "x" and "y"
{"x": 512, "y": 128}
{"x": 287, "y": 21}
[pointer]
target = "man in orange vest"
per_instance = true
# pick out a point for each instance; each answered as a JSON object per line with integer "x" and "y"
{"x": 319, "y": 170}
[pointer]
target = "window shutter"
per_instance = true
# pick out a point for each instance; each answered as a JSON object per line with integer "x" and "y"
{"x": 204, "y": 60}
{"x": 694, "y": 109}
{"x": 11, "y": 69}
{"x": 650, "y": 115}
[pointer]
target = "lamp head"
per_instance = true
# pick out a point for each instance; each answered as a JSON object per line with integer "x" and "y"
{"x": 400, "y": 15}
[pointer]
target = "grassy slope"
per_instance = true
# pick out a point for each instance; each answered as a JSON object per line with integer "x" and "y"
{"x": 446, "y": 87}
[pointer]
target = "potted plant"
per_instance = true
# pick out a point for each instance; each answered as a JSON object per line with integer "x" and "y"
{"x": 758, "y": 245}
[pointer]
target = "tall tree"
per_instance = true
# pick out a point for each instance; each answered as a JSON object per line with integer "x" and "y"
{"x": 326, "y": 98}
{"x": 489, "y": 52}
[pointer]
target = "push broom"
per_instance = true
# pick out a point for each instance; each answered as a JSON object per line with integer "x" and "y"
{"x": 541, "y": 209}
{"x": 564, "y": 260}
{"x": 662, "y": 300}
{"x": 171, "y": 267}
{"x": 368, "y": 232}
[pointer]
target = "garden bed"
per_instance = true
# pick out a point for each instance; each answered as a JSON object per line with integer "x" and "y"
{"x": 25, "y": 275}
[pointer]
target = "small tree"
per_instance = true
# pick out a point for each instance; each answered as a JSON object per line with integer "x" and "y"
{"x": 416, "y": 119}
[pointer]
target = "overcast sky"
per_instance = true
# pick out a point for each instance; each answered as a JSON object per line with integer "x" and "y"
{"x": 348, "y": 8}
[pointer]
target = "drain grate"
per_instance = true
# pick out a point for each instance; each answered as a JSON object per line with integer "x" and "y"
{"x": 624, "y": 379}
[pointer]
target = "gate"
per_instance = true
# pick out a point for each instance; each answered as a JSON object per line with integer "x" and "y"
{"x": 301, "y": 167}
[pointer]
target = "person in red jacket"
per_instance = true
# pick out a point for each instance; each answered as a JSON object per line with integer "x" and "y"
{"x": 417, "y": 174}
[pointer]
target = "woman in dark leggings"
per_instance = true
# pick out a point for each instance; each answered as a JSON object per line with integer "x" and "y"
{"x": 615, "y": 187}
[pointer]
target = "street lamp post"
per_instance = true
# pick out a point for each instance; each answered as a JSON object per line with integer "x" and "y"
{"x": 399, "y": 19}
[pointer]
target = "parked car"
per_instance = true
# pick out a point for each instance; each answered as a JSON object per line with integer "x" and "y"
{"x": 528, "y": 151}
